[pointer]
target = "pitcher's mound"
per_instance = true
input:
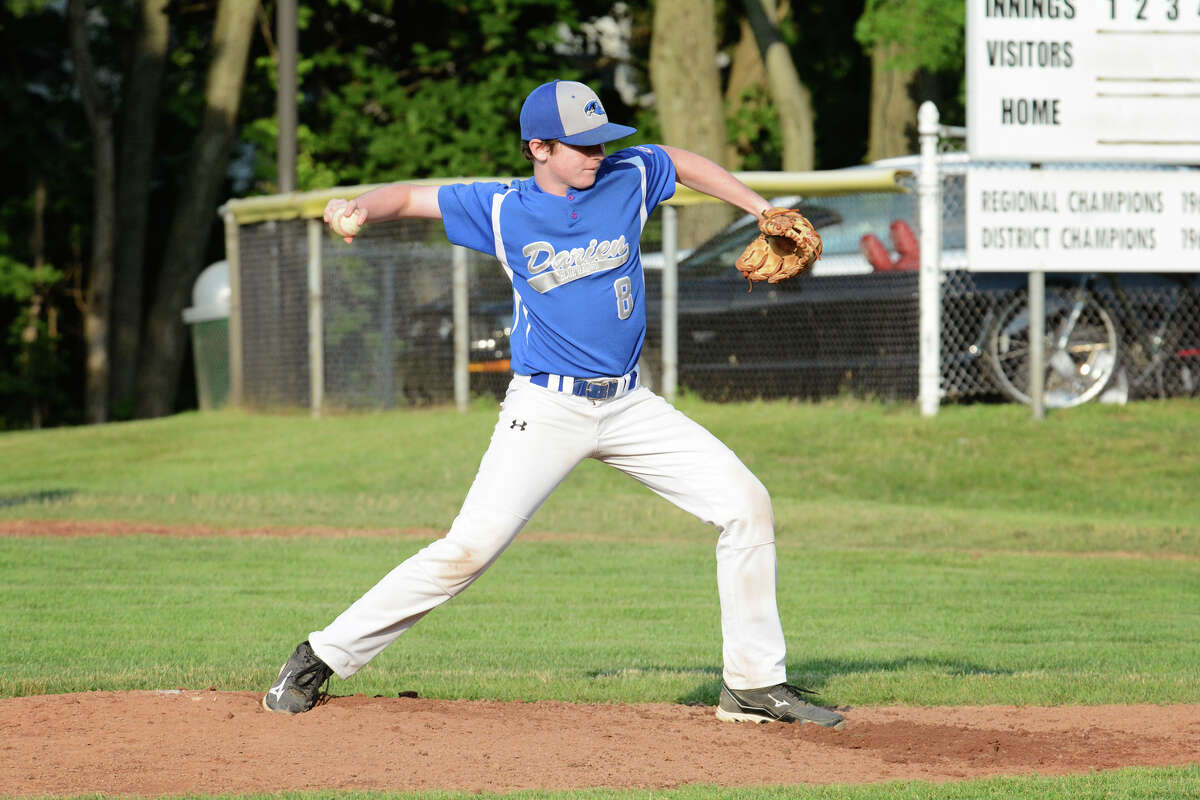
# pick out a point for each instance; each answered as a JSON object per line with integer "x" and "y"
{"x": 208, "y": 742}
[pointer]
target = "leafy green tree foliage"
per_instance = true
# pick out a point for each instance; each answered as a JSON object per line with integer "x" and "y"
{"x": 930, "y": 30}
{"x": 30, "y": 363}
{"x": 820, "y": 36}
{"x": 388, "y": 89}
{"x": 928, "y": 37}
{"x": 44, "y": 154}
{"x": 395, "y": 89}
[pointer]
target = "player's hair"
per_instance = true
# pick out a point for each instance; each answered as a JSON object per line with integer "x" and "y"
{"x": 528, "y": 154}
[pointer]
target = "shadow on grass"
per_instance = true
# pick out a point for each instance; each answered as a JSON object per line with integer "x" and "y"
{"x": 36, "y": 498}
{"x": 813, "y": 674}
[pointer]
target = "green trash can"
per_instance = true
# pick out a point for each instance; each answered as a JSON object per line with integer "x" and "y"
{"x": 208, "y": 319}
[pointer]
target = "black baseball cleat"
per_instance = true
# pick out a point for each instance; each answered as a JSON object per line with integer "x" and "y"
{"x": 298, "y": 687}
{"x": 779, "y": 703}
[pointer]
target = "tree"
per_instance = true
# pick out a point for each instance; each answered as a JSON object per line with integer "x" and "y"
{"x": 743, "y": 98}
{"x": 139, "y": 124}
{"x": 45, "y": 156}
{"x": 164, "y": 340}
{"x": 389, "y": 89}
{"x": 31, "y": 369}
{"x": 98, "y": 305}
{"x": 117, "y": 347}
{"x": 893, "y": 104}
{"x": 419, "y": 88}
{"x": 837, "y": 77}
{"x": 687, "y": 88}
{"x": 790, "y": 97}
{"x": 910, "y": 41}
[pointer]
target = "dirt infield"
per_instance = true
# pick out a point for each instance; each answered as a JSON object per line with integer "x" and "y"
{"x": 177, "y": 742}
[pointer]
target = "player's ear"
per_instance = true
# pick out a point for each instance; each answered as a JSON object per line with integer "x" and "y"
{"x": 541, "y": 149}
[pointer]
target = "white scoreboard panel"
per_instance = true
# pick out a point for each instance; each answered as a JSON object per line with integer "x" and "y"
{"x": 1084, "y": 80}
{"x": 1068, "y": 220}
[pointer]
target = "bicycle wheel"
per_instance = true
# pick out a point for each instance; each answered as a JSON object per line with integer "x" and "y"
{"x": 1080, "y": 349}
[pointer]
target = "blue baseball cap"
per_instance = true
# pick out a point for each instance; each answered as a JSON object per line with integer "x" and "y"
{"x": 570, "y": 112}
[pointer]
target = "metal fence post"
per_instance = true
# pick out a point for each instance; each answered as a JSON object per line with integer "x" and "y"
{"x": 930, "y": 301}
{"x": 316, "y": 321}
{"x": 387, "y": 336}
{"x": 232, "y": 256}
{"x": 1037, "y": 338}
{"x": 462, "y": 376}
{"x": 670, "y": 301}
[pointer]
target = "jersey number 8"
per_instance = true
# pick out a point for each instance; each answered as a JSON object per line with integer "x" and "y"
{"x": 624, "y": 289}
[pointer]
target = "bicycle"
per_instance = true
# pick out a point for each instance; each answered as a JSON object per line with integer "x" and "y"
{"x": 1093, "y": 338}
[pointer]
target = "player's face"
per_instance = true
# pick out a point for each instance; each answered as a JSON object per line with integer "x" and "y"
{"x": 575, "y": 166}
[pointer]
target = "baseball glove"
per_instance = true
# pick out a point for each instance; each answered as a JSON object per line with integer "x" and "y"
{"x": 786, "y": 246}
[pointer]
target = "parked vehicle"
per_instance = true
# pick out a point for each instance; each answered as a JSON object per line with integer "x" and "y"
{"x": 829, "y": 330}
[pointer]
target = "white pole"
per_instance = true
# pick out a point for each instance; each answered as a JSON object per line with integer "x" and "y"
{"x": 316, "y": 322}
{"x": 233, "y": 257}
{"x": 670, "y": 302}
{"x": 1037, "y": 347}
{"x": 462, "y": 376}
{"x": 930, "y": 211}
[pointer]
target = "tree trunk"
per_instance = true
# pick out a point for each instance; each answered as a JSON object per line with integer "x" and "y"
{"x": 893, "y": 108}
{"x": 98, "y": 309}
{"x": 37, "y": 246}
{"x": 138, "y": 127}
{"x": 687, "y": 87}
{"x": 792, "y": 100}
{"x": 746, "y": 72}
{"x": 165, "y": 337}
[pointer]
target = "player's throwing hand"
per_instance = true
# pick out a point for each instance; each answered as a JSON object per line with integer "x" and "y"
{"x": 345, "y": 218}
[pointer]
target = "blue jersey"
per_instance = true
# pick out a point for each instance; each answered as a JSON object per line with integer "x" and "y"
{"x": 574, "y": 261}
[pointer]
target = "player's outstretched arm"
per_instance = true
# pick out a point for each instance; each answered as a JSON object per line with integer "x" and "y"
{"x": 697, "y": 172}
{"x": 390, "y": 202}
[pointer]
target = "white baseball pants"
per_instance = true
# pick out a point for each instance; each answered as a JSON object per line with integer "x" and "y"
{"x": 541, "y": 435}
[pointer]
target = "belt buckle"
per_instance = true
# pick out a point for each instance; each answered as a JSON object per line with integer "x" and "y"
{"x": 601, "y": 388}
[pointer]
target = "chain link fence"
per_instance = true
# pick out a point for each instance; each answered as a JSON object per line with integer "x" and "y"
{"x": 386, "y": 321}
{"x": 1109, "y": 337}
{"x": 375, "y": 326}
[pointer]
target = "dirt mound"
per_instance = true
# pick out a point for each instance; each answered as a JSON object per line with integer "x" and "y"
{"x": 177, "y": 742}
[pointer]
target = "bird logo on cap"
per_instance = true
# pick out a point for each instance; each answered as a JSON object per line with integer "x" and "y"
{"x": 594, "y": 109}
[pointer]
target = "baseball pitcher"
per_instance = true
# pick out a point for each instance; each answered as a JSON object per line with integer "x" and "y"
{"x": 569, "y": 241}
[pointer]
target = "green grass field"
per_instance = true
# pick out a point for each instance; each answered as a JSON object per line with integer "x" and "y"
{"x": 978, "y": 557}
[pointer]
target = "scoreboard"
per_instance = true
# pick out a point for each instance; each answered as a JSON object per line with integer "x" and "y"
{"x": 1084, "y": 80}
